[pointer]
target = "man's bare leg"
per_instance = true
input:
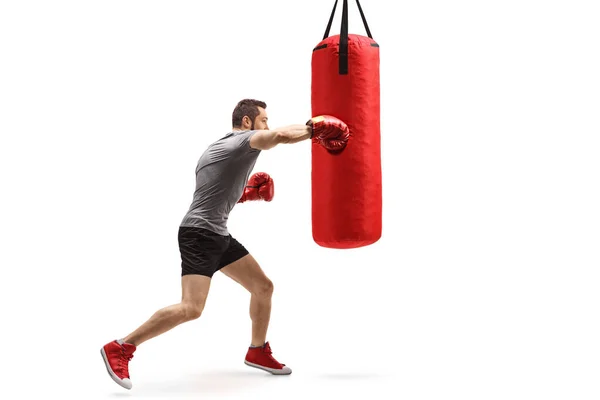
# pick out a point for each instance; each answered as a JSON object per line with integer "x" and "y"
{"x": 117, "y": 353}
{"x": 248, "y": 273}
{"x": 194, "y": 292}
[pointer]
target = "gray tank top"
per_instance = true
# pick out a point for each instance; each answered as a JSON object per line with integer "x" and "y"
{"x": 221, "y": 176}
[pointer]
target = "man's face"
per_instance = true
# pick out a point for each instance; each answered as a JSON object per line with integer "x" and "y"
{"x": 261, "y": 120}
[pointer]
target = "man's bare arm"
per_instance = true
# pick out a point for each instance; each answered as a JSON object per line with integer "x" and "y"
{"x": 267, "y": 139}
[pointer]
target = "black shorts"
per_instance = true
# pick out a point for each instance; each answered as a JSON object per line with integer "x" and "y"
{"x": 204, "y": 252}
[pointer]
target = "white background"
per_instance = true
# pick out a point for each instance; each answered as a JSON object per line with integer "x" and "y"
{"x": 485, "y": 284}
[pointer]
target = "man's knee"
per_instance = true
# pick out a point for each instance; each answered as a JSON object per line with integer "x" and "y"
{"x": 192, "y": 311}
{"x": 195, "y": 290}
{"x": 263, "y": 288}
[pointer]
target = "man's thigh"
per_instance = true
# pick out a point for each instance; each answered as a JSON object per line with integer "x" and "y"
{"x": 201, "y": 251}
{"x": 235, "y": 252}
{"x": 238, "y": 264}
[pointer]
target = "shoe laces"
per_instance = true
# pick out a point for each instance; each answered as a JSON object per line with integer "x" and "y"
{"x": 124, "y": 361}
{"x": 267, "y": 350}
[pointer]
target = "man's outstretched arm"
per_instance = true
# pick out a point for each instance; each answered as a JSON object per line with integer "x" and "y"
{"x": 328, "y": 131}
{"x": 267, "y": 139}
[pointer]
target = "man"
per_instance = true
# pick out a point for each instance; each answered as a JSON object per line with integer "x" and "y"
{"x": 206, "y": 246}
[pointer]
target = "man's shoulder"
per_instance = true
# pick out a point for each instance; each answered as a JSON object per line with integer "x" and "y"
{"x": 238, "y": 139}
{"x": 231, "y": 143}
{"x": 234, "y": 135}
{"x": 242, "y": 133}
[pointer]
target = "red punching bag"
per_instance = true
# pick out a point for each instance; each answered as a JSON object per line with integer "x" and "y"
{"x": 346, "y": 186}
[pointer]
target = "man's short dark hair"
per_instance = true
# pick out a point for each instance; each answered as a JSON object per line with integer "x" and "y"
{"x": 245, "y": 107}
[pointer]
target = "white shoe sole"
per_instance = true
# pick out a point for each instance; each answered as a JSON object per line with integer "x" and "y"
{"x": 283, "y": 371}
{"x": 126, "y": 383}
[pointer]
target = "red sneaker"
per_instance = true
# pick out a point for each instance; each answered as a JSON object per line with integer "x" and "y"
{"x": 116, "y": 356}
{"x": 260, "y": 357}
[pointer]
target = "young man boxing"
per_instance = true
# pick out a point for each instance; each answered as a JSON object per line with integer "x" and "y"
{"x": 205, "y": 244}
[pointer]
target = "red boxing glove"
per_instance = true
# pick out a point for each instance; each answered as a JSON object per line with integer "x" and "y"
{"x": 329, "y": 132}
{"x": 260, "y": 187}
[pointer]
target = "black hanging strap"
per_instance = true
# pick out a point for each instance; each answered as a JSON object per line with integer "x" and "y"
{"x": 344, "y": 40}
{"x": 343, "y": 68}
{"x": 362, "y": 16}
{"x": 330, "y": 21}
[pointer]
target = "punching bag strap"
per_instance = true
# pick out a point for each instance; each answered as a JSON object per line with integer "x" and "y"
{"x": 364, "y": 20}
{"x": 343, "y": 67}
{"x": 330, "y": 21}
{"x": 344, "y": 41}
